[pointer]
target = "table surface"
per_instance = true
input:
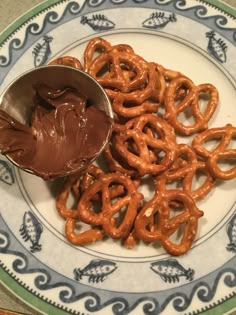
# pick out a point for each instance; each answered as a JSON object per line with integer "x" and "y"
{"x": 9, "y": 11}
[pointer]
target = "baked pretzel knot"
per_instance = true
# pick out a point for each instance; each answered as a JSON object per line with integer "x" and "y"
{"x": 185, "y": 171}
{"x": 156, "y": 223}
{"x": 118, "y": 69}
{"x": 76, "y": 184}
{"x": 190, "y": 101}
{"x": 95, "y": 47}
{"x": 221, "y": 152}
{"x": 143, "y": 142}
{"x": 116, "y": 214}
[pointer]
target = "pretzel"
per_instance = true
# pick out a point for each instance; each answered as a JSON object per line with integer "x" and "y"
{"x": 83, "y": 238}
{"x": 76, "y": 183}
{"x": 132, "y": 109}
{"x": 115, "y": 164}
{"x": 126, "y": 71}
{"x": 165, "y": 226}
{"x": 174, "y": 106}
{"x": 149, "y": 90}
{"x": 137, "y": 146}
{"x": 164, "y": 77}
{"x": 90, "y": 175}
{"x": 67, "y": 61}
{"x": 111, "y": 207}
{"x": 72, "y": 183}
{"x": 185, "y": 167}
{"x": 63, "y": 195}
{"x": 96, "y": 45}
{"x": 224, "y": 135}
{"x": 118, "y": 69}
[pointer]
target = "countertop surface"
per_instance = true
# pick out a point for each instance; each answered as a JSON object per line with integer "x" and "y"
{"x": 10, "y": 10}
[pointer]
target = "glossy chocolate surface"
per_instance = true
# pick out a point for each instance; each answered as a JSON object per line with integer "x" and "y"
{"x": 64, "y": 134}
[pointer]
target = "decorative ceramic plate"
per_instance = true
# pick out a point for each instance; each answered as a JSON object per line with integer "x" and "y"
{"x": 195, "y": 37}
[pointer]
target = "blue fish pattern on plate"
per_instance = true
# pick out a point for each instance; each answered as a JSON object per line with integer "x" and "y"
{"x": 98, "y": 22}
{"x": 170, "y": 270}
{"x": 158, "y": 20}
{"x": 231, "y": 231}
{"x": 6, "y": 173}
{"x": 96, "y": 271}
{"x": 42, "y": 51}
{"x": 216, "y": 47}
{"x": 31, "y": 230}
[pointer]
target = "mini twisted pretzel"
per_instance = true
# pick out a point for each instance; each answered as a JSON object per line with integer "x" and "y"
{"x": 79, "y": 183}
{"x": 93, "y": 234}
{"x": 93, "y": 173}
{"x": 146, "y": 91}
{"x": 164, "y": 78}
{"x": 112, "y": 158}
{"x": 114, "y": 163}
{"x": 120, "y": 70}
{"x": 137, "y": 145}
{"x": 67, "y": 61}
{"x": 224, "y": 135}
{"x": 186, "y": 170}
{"x": 76, "y": 183}
{"x": 174, "y": 106}
{"x": 111, "y": 207}
{"x": 165, "y": 225}
{"x": 96, "y": 45}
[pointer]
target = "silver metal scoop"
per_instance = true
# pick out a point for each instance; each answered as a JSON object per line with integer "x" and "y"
{"x": 17, "y": 99}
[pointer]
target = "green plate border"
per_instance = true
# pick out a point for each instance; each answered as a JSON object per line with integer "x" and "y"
{"x": 29, "y": 298}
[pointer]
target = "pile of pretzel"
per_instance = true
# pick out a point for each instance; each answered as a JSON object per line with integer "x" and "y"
{"x": 151, "y": 105}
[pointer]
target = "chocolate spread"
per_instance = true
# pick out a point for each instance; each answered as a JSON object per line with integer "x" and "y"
{"x": 64, "y": 133}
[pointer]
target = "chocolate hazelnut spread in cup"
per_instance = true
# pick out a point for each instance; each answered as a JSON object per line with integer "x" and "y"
{"x": 54, "y": 121}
